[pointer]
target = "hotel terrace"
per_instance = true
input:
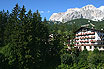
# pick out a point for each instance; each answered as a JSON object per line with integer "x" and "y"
{"x": 89, "y": 39}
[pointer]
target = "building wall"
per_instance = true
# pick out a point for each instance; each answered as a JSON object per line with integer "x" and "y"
{"x": 99, "y": 37}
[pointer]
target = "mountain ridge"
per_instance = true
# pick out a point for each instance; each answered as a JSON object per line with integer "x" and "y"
{"x": 86, "y": 12}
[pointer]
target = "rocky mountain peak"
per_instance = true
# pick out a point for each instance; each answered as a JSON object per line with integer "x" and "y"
{"x": 89, "y": 7}
{"x": 86, "y": 12}
{"x": 101, "y": 8}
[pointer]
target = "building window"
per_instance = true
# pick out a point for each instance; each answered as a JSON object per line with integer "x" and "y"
{"x": 95, "y": 46}
{"x": 101, "y": 43}
{"x": 90, "y": 47}
{"x": 99, "y": 47}
{"x": 92, "y": 31}
{"x": 92, "y": 42}
{"x": 77, "y": 43}
{"x": 87, "y": 42}
{"x": 84, "y": 47}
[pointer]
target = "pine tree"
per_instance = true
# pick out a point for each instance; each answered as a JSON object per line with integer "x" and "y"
{"x": 25, "y": 38}
{"x": 3, "y": 22}
{"x": 1, "y": 28}
{"x": 13, "y": 33}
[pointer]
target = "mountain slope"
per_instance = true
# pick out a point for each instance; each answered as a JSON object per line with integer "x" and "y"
{"x": 86, "y": 12}
{"x": 73, "y": 25}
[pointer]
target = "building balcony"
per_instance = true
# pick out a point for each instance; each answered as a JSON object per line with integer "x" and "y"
{"x": 98, "y": 45}
{"x": 83, "y": 41}
{"x": 93, "y": 40}
{"x": 76, "y": 38}
{"x": 86, "y": 33}
{"x": 92, "y": 44}
{"x": 76, "y": 41}
{"x": 86, "y": 37}
{"x": 92, "y": 37}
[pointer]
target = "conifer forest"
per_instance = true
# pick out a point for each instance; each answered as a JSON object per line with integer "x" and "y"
{"x": 25, "y": 42}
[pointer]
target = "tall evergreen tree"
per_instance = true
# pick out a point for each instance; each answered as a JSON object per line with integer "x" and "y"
{"x": 3, "y": 22}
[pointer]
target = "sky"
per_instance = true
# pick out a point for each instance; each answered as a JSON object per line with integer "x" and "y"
{"x": 48, "y": 7}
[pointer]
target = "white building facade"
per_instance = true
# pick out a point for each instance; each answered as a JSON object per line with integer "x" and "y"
{"x": 89, "y": 39}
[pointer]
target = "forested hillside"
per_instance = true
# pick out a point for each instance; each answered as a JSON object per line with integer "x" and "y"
{"x": 25, "y": 43}
{"x": 74, "y": 25}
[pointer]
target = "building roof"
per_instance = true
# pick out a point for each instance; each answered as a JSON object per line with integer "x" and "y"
{"x": 89, "y": 29}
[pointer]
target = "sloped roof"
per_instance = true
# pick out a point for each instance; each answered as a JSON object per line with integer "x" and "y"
{"x": 89, "y": 29}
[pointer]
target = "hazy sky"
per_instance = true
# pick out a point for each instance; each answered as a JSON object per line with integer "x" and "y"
{"x": 47, "y": 7}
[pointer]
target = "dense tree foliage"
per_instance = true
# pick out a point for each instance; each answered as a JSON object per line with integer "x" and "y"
{"x": 27, "y": 42}
{"x": 24, "y": 41}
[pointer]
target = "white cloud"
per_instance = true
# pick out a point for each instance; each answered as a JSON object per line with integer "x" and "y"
{"x": 44, "y": 12}
{"x": 48, "y": 11}
{"x": 41, "y": 11}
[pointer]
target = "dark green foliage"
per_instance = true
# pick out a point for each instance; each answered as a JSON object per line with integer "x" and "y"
{"x": 85, "y": 60}
{"x": 63, "y": 66}
{"x": 66, "y": 59}
{"x": 25, "y": 43}
{"x": 72, "y": 26}
{"x": 96, "y": 51}
{"x": 3, "y": 22}
{"x": 3, "y": 62}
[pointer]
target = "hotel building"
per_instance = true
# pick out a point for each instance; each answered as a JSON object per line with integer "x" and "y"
{"x": 87, "y": 38}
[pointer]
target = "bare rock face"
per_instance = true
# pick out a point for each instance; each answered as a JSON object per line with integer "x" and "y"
{"x": 86, "y": 12}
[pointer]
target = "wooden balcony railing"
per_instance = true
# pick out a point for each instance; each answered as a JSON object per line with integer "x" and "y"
{"x": 86, "y": 33}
